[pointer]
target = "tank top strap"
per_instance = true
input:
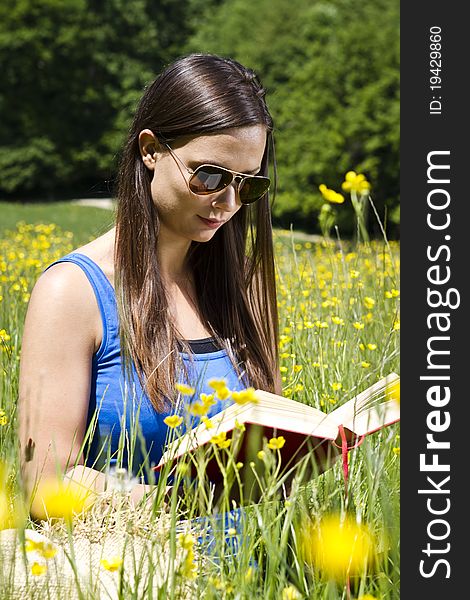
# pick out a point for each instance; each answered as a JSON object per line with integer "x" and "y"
{"x": 104, "y": 292}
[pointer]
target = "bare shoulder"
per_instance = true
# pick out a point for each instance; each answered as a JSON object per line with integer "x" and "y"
{"x": 101, "y": 251}
{"x": 64, "y": 298}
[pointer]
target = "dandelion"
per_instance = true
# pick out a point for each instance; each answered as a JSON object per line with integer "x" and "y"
{"x": 173, "y": 421}
{"x": 112, "y": 564}
{"x": 276, "y": 443}
{"x": 336, "y": 547}
{"x": 245, "y": 396}
{"x": 184, "y": 389}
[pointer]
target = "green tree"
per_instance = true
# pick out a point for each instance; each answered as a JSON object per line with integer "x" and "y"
{"x": 72, "y": 72}
{"x": 332, "y": 73}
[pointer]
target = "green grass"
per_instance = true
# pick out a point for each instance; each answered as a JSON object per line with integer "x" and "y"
{"x": 338, "y": 308}
{"x": 85, "y": 222}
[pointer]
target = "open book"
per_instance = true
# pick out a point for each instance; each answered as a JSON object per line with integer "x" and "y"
{"x": 306, "y": 429}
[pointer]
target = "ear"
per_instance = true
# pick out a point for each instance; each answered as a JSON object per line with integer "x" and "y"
{"x": 148, "y": 146}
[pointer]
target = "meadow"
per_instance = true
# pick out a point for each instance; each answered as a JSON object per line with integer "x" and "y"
{"x": 339, "y": 333}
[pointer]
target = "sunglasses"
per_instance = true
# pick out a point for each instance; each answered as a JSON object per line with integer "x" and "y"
{"x": 209, "y": 179}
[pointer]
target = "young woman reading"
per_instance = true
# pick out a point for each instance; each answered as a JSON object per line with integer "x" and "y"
{"x": 181, "y": 290}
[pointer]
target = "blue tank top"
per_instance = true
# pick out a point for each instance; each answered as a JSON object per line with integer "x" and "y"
{"x": 118, "y": 405}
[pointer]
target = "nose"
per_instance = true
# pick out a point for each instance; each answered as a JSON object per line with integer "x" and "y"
{"x": 228, "y": 199}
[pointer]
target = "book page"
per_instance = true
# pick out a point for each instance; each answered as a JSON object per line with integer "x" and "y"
{"x": 370, "y": 410}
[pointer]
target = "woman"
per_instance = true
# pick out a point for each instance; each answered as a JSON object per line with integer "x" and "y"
{"x": 110, "y": 328}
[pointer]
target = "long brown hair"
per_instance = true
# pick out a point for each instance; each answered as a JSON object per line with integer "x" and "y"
{"x": 233, "y": 272}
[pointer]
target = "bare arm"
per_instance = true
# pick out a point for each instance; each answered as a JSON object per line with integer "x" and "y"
{"x": 60, "y": 337}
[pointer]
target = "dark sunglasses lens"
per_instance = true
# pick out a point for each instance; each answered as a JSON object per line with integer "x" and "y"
{"x": 253, "y": 188}
{"x": 207, "y": 180}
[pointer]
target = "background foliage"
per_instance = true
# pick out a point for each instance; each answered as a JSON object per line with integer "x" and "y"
{"x": 73, "y": 71}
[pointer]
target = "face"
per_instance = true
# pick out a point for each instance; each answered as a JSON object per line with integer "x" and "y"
{"x": 181, "y": 212}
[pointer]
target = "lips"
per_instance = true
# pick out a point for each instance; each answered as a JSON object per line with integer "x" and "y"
{"x": 211, "y": 223}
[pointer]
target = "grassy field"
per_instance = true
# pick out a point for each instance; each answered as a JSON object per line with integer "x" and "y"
{"x": 339, "y": 328}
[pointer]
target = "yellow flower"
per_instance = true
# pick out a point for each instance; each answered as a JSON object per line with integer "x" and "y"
{"x": 188, "y": 567}
{"x": 291, "y": 593}
{"x": 357, "y": 325}
{"x": 57, "y": 499}
{"x": 221, "y": 440}
{"x": 45, "y": 549}
{"x": 365, "y": 364}
{"x": 297, "y": 368}
{"x": 369, "y": 302}
{"x": 186, "y": 541}
{"x": 231, "y": 531}
{"x": 239, "y": 426}
{"x": 113, "y": 564}
{"x": 217, "y": 384}
{"x": 336, "y": 385}
{"x": 197, "y": 409}
{"x": 367, "y": 597}
{"x": 173, "y": 421}
{"x": 186, "y": 390}
{"x": 38, "y": 569}
{"x": 372, "y": 346}
{"x": 223, "y": 393}
{"x": 276, "y": 443}
{"x": 10, "y": 513}
{"x": 336, "y": 547}
{"x": 337, "y": 320}
{"x": 392, "y": 391}
{"x": 239, "y": 465}
{"x": 207, "y": 399}
{"x": 249, "y": 575}
{"x": 393, "y": 293}
{"x": 207, "y": 422}
{"x": 354, "y": 182}
{"x": 331, "y": 195}
{"x": 245, "y": 396}
{"x": 261, "y": 454}
{"x": 396, "y": 451}
{"x": 396, "y": 325}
